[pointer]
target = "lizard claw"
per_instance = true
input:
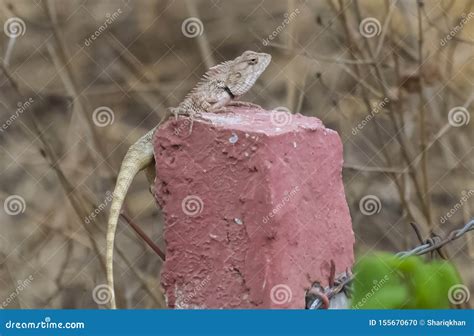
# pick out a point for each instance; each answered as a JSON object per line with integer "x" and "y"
{"x": 191, "y": 126}
{"x": 244, "y": 104}
{"x": 175, "y": 112}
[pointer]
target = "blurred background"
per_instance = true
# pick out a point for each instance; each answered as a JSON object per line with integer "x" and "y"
{"x": 81, "y": 81}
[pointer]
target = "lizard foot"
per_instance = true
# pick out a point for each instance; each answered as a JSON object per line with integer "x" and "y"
{"x": 243, "y": 103}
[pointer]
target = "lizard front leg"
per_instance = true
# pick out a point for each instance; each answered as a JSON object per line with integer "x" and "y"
{"x": 206, "y": 106}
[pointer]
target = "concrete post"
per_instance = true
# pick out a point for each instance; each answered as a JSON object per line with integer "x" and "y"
{"x": 254, "y": 209}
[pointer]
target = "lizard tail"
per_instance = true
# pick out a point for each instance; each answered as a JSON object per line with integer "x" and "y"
{"x": 139, "y": 156}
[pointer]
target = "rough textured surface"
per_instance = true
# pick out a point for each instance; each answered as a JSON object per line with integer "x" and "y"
{"x": 254, "y": 208}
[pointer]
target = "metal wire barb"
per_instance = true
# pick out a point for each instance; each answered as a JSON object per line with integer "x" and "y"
{"x": 318, "y": 297}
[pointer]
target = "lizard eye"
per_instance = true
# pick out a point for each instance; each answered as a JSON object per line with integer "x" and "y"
{"x": 252, "y": 61}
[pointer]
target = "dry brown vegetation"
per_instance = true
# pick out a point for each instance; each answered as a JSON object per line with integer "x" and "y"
{"x": 402, "y": 82}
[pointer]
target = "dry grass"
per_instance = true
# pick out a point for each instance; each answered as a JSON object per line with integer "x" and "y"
{"x": 63, "y": 165}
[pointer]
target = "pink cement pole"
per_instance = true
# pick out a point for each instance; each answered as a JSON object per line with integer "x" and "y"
{"x": 254, "y": 209}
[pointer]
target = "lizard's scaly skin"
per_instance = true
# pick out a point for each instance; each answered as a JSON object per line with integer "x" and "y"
{"x": 138, "y": 157}
{"x": 219, "y": 86}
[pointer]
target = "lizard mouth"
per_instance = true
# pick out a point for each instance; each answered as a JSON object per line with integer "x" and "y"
{"x": 227, "y": 89}
{"x": 266, "y": 59}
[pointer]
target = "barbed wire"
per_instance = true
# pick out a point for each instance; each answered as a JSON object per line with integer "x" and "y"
{"x": 318, "y": 297}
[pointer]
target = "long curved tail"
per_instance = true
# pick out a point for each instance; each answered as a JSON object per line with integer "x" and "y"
{"x": 138, "y": 156}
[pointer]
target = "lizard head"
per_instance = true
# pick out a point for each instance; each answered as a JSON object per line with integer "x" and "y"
{"x": 245, "y": 70}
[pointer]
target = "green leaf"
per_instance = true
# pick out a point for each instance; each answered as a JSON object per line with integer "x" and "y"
{"x": 384, "y": 281}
